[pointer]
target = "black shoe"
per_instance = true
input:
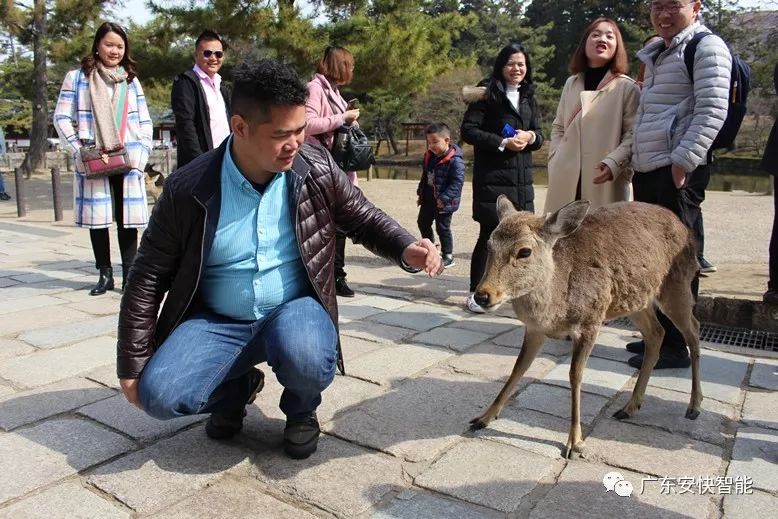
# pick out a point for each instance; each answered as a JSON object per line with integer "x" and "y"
{"x": 5, "y": 196}
{"x": 666, "y": 361}
{"x": 706, "y": 267}
{"x": 104, "y": 282}
{"x": 636, "y": 347}
{"x": 342, "y": 289}
{"x": 770, "y": 297}
{"x": 301, "y": 437}
{"x": 224, "y": 426}
{"x": 448, "y": 261}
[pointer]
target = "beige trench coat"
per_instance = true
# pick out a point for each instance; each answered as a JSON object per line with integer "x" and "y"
{"x": 591, "y": 127}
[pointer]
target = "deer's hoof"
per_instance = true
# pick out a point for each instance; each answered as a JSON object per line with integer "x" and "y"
{"x": 621, "y": 414}
{"x": 477, "y": 423}
{"x": 692, "y": 414}
{"x": 575, "y": 452}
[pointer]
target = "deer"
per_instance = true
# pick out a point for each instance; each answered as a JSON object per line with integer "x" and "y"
{"x": 154, "y": 181}
{"x": 567, "y": 272}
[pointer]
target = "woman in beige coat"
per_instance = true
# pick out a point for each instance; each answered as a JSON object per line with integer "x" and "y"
{"x": 591, "y": 135}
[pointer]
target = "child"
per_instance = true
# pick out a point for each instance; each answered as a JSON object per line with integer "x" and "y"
{"x": 440, "y": 188}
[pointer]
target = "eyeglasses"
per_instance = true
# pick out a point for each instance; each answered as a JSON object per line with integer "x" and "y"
{"x": 208, "y": 53}
{"x": 673, "y": 8}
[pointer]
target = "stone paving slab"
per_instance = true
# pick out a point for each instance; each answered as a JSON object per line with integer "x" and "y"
{"x": 386, "y": 365}
{"x": 580, "y": 492}
{"x": 47, "y": 366}
{"x": 557, "y": 401}
{"x": 765, "y": 374}
{"x": 98, "y": 306}
{"x": 760, "y": 409}
{"x": 384, "y": 302}
{"x": 601, "y": 376}
{"x": 105, "y": 375}
{"x": 22, "y": 291}
{"x": 666, "y": 409}
{"x": 495, "y": 363}
{"x": 750, "y": 506}
{"x": 611, "y": 346}
{"x": 13, "y": 323}
{"x": 486, "y": 323}
{"x": 353, "y": 347}
{"x": 11, "y": 348}
{"x": 651, "y": 451}
{"x": 7, "y": 282}
{"x": 172, "y": 469}
{"x": 53, "y": 336}
{"x": 414, "y": 505}
{"x": 375, "y": 332}
{"x": 755, "y": 455}
{"x": 419, "y": 317}
{"x": 6, "y": 390}
{"x": 34, "y": 457}
{"x": 30, "y": 303}
{"x": 418, "y": 418}
{"x": 456, "y": 339}
{"x": 487, "y": 473}
{"x": 721, "y": 376}
{"x": 339, "y": 477}
{"x": 232, "y": 497}
{"x": 119, "y": 414}
{"x": 27, "y": 407}
{"x": 355, "y": 311}
{"x": 515, "y": 338}
{"x": 69, "y": 499}
{"x": 528, "y": 430}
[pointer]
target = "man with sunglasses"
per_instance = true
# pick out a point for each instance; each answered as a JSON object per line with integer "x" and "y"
{"x": 201, "y": 103}
{"x": 677, "y": 120}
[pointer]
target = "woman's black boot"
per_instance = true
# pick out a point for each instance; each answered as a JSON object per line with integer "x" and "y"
{"x": 105, "y": 282}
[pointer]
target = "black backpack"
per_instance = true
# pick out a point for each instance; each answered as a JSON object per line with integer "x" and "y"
{"x": 739, "y": 85}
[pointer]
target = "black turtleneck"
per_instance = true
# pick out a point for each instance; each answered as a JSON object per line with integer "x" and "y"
{"x": 593, "y": 76}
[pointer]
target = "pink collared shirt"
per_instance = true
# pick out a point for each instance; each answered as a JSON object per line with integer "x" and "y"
{"x": 217, "y": 110}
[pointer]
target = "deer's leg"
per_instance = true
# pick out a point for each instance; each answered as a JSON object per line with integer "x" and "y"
{"x": 679, "y": 309}
{"x": 533, "y": 340}
{"x": 582, "y": 347}
{"x": 653, "y": 333}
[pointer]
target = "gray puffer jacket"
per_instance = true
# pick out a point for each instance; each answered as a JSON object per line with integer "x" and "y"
{"x": 677, "y": 120}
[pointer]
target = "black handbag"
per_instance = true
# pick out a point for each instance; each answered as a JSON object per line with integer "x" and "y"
{"x": 351, "y": 149}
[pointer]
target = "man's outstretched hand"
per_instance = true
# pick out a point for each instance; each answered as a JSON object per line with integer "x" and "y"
{"x": 423, "y": 255}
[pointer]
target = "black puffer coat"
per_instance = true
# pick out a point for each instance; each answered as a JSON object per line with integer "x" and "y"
{"x": 498, "y": 172}
{"x": 175, "y": 246}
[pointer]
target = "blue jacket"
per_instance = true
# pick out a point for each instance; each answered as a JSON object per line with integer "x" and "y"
{"x": 449, "y": 178}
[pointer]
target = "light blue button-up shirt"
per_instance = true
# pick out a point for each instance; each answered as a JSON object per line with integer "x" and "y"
{"x": 254, "y": 264}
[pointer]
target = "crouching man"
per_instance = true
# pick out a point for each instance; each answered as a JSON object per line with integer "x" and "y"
{"x": 242, "y": 243}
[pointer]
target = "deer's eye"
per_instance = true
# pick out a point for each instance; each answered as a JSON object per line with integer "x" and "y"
{"x": 524, "y": 252}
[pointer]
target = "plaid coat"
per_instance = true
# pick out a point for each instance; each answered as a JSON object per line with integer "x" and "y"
{"x": 74, "y": 123}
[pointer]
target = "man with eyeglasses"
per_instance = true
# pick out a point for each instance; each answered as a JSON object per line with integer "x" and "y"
{"x": 676, "y": 123}
{"x": 201, "y": 103}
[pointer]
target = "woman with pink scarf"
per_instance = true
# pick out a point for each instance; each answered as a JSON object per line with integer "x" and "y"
{"x": 325, "y": 112}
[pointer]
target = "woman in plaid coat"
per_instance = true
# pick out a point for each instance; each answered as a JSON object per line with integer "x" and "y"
{"x": 89, "y": 110}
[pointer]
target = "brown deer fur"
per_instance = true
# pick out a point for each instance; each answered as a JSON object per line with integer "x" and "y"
{"x": 567, "y": 273}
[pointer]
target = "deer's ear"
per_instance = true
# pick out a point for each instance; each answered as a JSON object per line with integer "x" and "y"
{"x": 504, "y": 207}
{"x": 565, "y": 221}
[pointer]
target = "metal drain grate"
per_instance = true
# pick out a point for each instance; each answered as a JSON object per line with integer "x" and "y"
{"x": 740, "y": 337}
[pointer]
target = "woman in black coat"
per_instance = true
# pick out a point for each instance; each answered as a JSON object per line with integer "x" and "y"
{"x": 502, "y": 104}
{"x": 770, "y": 164}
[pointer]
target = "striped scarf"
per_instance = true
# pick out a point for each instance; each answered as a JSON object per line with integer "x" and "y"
{"x": 107, "y": 111}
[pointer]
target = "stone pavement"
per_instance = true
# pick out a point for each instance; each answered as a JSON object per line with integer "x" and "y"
{"x": 395, "y": 442}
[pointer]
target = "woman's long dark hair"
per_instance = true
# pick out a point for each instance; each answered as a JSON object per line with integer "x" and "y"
{"x": 89, "y": 62}
{"x": 496, "y": 85}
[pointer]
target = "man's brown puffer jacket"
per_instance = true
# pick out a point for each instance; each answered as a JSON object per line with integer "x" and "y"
{"x": 175, "y": 246}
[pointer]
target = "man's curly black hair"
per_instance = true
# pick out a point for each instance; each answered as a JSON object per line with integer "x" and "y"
{"x": 259, "y": 85}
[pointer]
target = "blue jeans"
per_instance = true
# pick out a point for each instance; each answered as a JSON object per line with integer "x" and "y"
{"x": 203, "y": 365}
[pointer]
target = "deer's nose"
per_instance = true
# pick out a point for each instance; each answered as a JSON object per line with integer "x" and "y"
{"x": 482, "y": 298}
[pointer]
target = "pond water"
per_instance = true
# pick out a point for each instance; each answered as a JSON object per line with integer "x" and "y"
{"x": 720, "y": 180}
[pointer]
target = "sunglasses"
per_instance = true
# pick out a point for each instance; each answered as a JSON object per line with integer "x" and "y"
{"x": 208, "y": 53}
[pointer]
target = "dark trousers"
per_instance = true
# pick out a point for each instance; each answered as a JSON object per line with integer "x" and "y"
{"x": 428, "y": 212}
{"x": 340, "y": 254}
{"x": 699, "y": 233}
{"x": 128, "y": 238}
{"x": 657, "y": 187}
{"x": 480, "y": 254}
{"x": 772, "y": 283}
